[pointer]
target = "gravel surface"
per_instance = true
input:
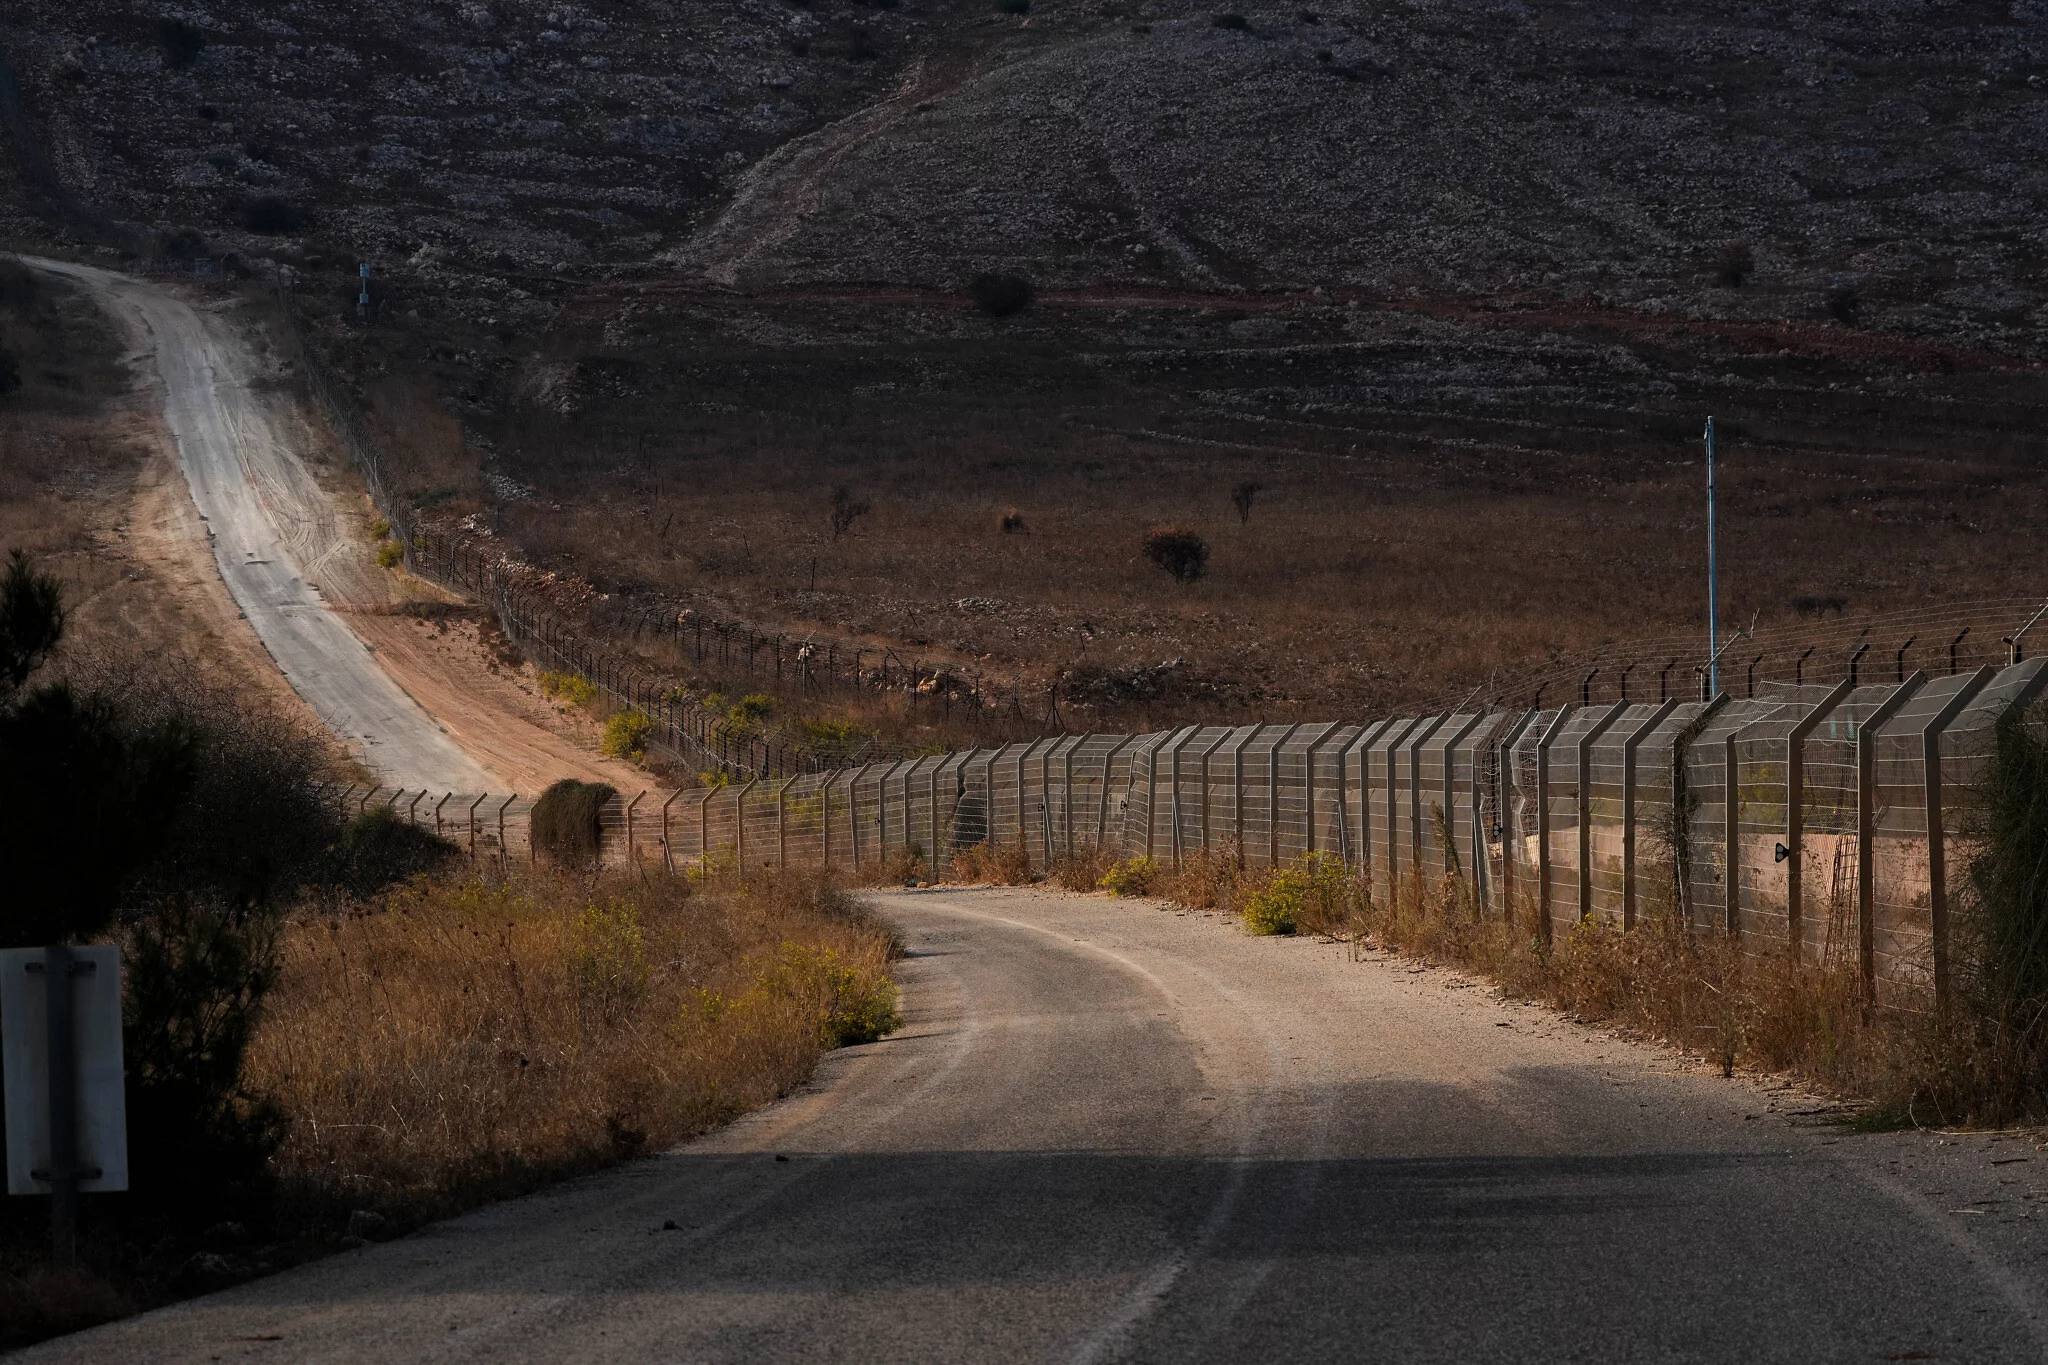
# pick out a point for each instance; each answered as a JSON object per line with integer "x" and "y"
{"x": 1109, "y": 1132}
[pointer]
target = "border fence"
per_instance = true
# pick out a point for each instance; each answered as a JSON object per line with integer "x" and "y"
{"x": 1819, "y": 817}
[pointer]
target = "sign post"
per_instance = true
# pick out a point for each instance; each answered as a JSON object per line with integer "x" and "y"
{"x": 60, "y": 1051}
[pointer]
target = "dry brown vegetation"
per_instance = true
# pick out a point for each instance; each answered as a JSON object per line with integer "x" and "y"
{"x": 1410, "y": 540}
{"x": 465, "y": 1039}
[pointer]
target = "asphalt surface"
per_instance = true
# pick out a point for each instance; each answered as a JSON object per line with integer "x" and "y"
{"x": 274, "y": 530}
{"x": 1109, "y": 1132}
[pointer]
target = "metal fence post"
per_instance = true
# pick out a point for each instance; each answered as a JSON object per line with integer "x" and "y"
{"x": 1550, "y": 734}
{"x": 1450, "y": 783}
{"x": 1937, "y": 852}
{"x": 1237, "y": 785}
{"x": 1795, "y": 811}
{"x": 668, "y": 861}
{"x": 853, "y": 812}
{"x": 1399, "y": 732}
{"x": 1415, "y": 743}
{"x": 1867, "y": 736}
{"x": 1586, "y": 742}
{"x": 1205, "y": 787}
{"x": 472, "y": 822}
{"x": 704, "y": 828}
{"x": 1102, "y": 804}
{"x": 1308, "y": 783}
{"x": 1628, "y": 807}
{"x": 1173, "y": 801}
{"x": 1273, "y": 795}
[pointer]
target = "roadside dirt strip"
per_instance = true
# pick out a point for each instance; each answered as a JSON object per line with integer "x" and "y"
{"x": 1114, "y": 1133}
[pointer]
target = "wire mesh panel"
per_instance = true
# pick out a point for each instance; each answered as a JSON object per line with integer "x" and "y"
{"x": 1383, "y": 759}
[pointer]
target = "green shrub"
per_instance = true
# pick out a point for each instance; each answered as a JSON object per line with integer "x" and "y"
{"x": 1315, "y": 888}
{"x": 380, "y": 529}
{"x": 390, "y": 555}
{"x": 1131, "y": 877}
{"x": 571, "y": 689}
{"x": 608, "y": 957}
{"x": 567, "y": 827}
{"x": 852, "y": 1006}
{"x": 625, "y": 734}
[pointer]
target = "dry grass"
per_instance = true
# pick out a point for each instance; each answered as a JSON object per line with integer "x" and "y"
{"x": 467, "y": 1039}
{"x": 1404, "y": 545}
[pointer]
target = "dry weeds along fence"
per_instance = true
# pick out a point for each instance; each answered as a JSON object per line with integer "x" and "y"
{"x": 1817, "y": 817}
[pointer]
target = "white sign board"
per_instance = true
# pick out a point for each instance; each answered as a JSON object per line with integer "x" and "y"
{"x": 25, "y": 1060}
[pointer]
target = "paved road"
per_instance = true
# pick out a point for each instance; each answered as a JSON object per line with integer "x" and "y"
{"x": 275, "y": 531}
{"x": 1112, "y": 1133}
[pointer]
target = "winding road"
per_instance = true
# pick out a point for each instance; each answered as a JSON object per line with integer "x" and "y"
{"x": 1109, "y": 1133}
{"x": 275, "y": 531}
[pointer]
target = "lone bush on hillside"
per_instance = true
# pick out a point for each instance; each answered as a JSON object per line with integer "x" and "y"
{"x": 1012, "y": 522}
{"x": 1179, "y": 551}
{"x": 1843, "y": 304}
{"x": 846, "y": 510}
{"x": 1242, "y": 497}
{"x": 1000, "y": 295}
{"x": 182, "y": 42}
{"x": 567, "y": 822}
{"x": 272, "y": 216}
{"x": 1236, "y": 22}
{"x": 1735, "y": 264}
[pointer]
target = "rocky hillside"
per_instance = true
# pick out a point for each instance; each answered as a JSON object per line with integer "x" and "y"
{"x": 1868, "y": 159}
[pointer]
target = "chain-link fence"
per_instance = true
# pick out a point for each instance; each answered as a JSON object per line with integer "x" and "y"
{"x": 1614, "y": 810}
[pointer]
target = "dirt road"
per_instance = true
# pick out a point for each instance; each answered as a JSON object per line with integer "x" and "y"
{"x": 274, "y": 532}
{"x": 1113, "y": 1133}
{"x": 419, "y": 709}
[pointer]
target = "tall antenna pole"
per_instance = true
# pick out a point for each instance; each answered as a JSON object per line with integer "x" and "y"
{"x": 1713, "y": 580}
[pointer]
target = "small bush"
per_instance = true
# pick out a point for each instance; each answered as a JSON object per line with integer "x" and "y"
{"x": 991, "y": 864}
{"x": 1735, "y": 264}
{"x": 567, "y": 822}
{"x": 390, "y": 555}
{"x": 1179, "y": 551}
{"x": 851, "y": 1006}
{"x": 1082, "y": 870}
{"x": 1131, "y": 877}
{"x": 272, "y": 216}
{"x": 380, "y": 529}
{"x": 846, "y": 509}
{"x": 1012, "y": 522}
{"x": 570, "y": 689}
{"x": 380, "y": 847}
{"x": 10, "y": 372}
{"x": 1001, "y": 296}
{"x": 1242, "y": 497}
{"x": 625, "y": 734}
{"x": 1314, "y": 891}
{"x": 608, "y": 957}
{"x": 1235, "y": 22}
{"x": 182, "y": 43}
{"x": 1843, "y": 304}
{"x": 1013, "y": 6}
